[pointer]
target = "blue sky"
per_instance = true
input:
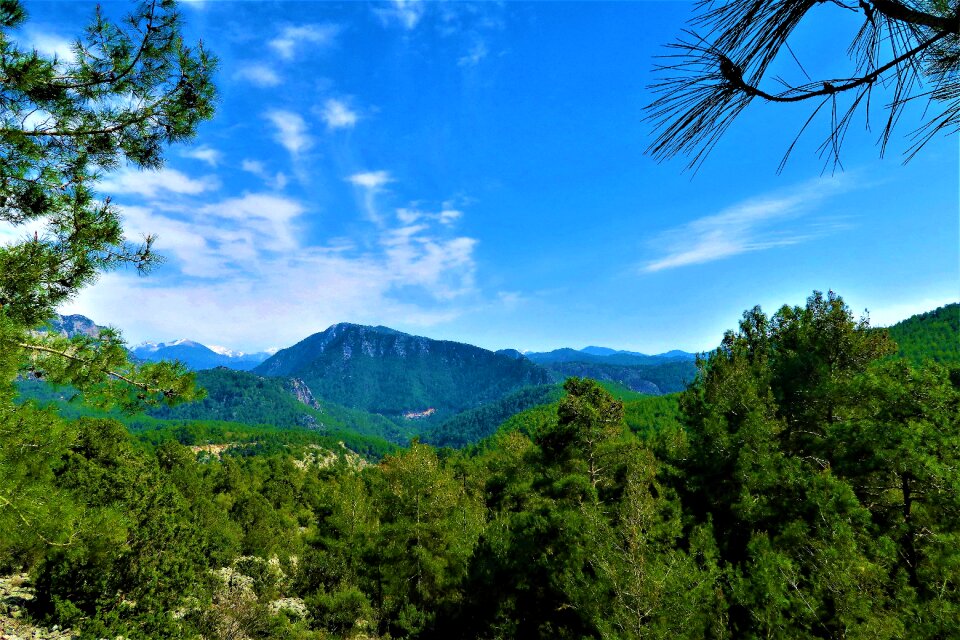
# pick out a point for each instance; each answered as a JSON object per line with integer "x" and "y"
{"x": 476, "y": 172}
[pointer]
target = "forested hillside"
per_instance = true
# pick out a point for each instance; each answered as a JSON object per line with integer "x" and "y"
{"x": 934, "y": 335}
{"x": 773, "y": 475}
{"x": 384, "y": 371}
{"x": 247, "y": 398}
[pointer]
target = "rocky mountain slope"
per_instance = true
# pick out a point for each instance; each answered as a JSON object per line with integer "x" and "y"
{"x": 384, "y": 371}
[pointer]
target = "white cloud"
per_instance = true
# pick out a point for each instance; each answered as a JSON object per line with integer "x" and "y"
{"x": 415, "y": 257}
{"x": 203, "y": 153}
{"x": 409, "y": 215}
{"x": 370, "y": 183}
{"x": 292, "y": 38}
{"x": 220, "y": 239}
{"x": 338, "y": 115}
{"x": 473, "y": 57}
{"x": 254, "y": 166}
{"x": 752, "y": 225}
{"x": 244, "y": 261}
{"x": 291, "y": 131}
{"x": 259, "y": 75}
{"x": 276, "y": 181}
{"x": 372, "y": 180}
{"x": 149, "y": 184}
{"x": 406, "y": 13}
{"x": 447, "y": 216}
{"x": 48, "y": 44}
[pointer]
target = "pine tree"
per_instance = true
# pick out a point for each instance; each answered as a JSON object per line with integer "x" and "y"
{"x": 128, "y": 90}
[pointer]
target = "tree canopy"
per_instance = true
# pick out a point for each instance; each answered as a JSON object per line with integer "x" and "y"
{"x": 129, "y": 89}
{"x": 904, "y": 51}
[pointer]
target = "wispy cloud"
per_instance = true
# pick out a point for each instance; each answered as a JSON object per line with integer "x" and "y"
{"x": 222, "y": 239}
{"x": 258, "y": 74}
{"x": 370, "y": 184}
{"x": 276, "y": 181}
{"x": 293, "y": 38}
{"x": 753, "y": 225}
{"x": 416, "y": 258}
{"x": 473, "y": 57}
{"x": 233, "y": 259}
{"x": 149, "y": 184}
{"x": 337, "y": 115}
{"x": 405, "y": 13}
{"x": 372, "y": 180}
{"x": 204, "y": 153}
{"x": 291, "y": 131}
{"x": 47, "y": 43}
{"x": 410, "y": 215}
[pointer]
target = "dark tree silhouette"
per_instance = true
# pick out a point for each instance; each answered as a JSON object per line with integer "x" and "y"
{"x": 909, "y": 48}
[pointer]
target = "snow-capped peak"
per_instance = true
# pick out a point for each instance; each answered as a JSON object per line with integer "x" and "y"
{"x": 224, "y": 351}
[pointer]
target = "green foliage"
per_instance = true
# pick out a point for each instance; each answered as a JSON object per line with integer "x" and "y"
{"x": 98, "y": 366}
{"x": 33, "y": 517}
{"x": 429, "y": 524}
{"x": 476, "y": 424}
{"x": 806, "y": 456}
{"x": 88, "y": 127}
{"x": 934, "y": 335}
{"x": 270, "y": 418}
{"x": 653, "y": 415}
{"x": 65, "y": 124}
{"x": 238, "y": 396}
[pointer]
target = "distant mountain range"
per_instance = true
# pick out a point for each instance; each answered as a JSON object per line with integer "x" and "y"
{"x": 604, "y": 355}
{"x": 198, "y": 356}
{"x": 368, "y": 380}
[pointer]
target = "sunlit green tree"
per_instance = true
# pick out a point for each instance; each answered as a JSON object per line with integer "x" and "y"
{"x": 128, "y": 89}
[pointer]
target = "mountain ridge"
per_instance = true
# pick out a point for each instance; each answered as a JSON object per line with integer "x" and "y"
{"x": 386, "y": 371}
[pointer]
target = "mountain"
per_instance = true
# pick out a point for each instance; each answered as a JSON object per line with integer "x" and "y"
{"x": 70, "y": 326}
{"x": 600, "y": 351}
{"x": 650, "y": 379}
{"x": 934, "y": 335}
{"x": 654, "y": 375}
{"x": 604, "y": 355}
{"x": 384, "y": 371}
{"x": 198, "y": 356}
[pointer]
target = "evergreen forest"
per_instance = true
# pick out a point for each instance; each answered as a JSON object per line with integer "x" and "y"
{"x": 800, "y": 480}
{"x": 804, "y": 485}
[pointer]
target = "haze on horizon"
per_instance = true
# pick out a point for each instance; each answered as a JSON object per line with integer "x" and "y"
{"x": 475, "y": 172}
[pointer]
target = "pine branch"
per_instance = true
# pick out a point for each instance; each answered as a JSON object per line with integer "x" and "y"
{"x": 167, "y": 393}
{"x": 734, "y": 75}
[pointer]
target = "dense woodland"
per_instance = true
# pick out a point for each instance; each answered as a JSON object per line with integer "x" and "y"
{"x": 805, "y": 485}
